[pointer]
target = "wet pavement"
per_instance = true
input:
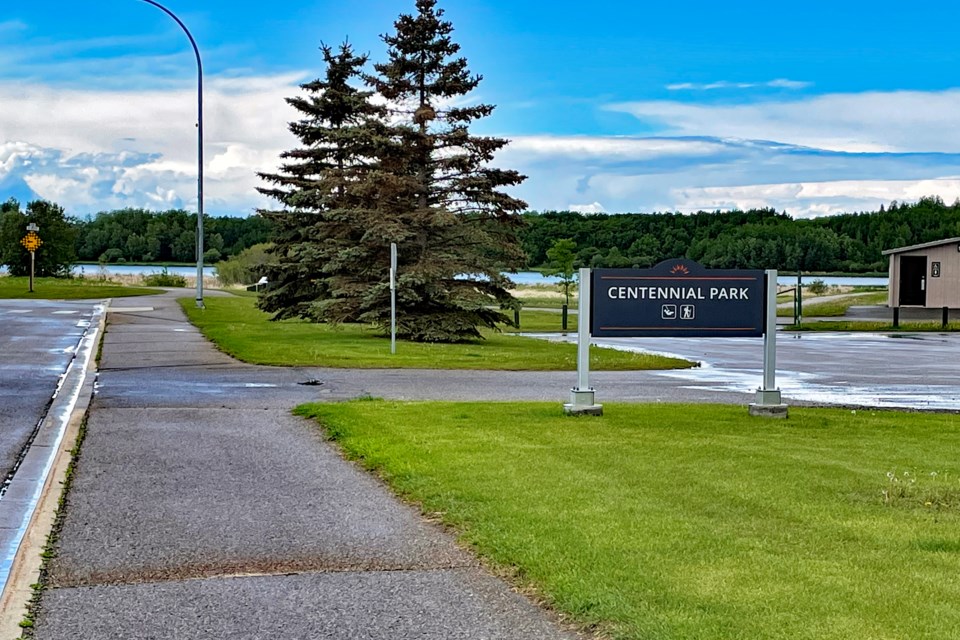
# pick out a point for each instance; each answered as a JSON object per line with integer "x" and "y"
{"x": 906, "y": 371}
{"x": 37, "y": 342}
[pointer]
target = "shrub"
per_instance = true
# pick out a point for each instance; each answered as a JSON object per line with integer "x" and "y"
{"x": 111, "y": 255}
{"x": 243, "y": 268}
{"x": 164, "y": 279}
{"x": 818, "y": 287}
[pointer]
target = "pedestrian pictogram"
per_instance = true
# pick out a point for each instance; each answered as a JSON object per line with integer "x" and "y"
{"x": 688, "y": 311}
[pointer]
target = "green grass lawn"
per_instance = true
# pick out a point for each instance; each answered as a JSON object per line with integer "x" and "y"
{"x": 239, "y": 329}
{"x": 835, "y": 308}
{"x": 68, "y": 289}
{"x": 873, "y": 325}
{"x": 530, "y": 299}
{"x": 543, "y": 321}
{"x": 675, "y": 522}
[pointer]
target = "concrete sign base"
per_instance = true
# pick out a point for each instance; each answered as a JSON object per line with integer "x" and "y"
{"x": 582, "y": 404}
{"x": 768, "y": 410}
{"x": 583, "y": 409}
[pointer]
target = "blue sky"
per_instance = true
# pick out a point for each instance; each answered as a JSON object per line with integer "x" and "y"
{"x": 611, "y": 106}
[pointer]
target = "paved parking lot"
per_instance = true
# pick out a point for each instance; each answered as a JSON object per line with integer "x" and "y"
{"x": 915, "y": 370}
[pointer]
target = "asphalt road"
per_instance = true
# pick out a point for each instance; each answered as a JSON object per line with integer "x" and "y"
{"x": 37, "y": 342}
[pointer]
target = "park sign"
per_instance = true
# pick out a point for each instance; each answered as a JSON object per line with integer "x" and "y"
{"x": 677, "y": 298}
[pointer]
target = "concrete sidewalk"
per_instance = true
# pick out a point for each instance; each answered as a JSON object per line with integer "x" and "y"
{"x": 201, "y": 508}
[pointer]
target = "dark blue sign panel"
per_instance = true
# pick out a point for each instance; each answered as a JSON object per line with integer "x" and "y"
{"x": 678, "y": 298}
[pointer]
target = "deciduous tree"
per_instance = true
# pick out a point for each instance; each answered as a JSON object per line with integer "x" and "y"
{"x": 56, "y": 255}
{"x": 562, "y": 256}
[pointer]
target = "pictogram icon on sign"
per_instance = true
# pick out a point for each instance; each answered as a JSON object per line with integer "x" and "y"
{"x": 669, "y": 312}
{"x": 688, "y": 311}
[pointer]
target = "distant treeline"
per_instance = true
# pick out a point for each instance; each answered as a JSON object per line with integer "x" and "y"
{"x": 760, "y": 238}
{"x": 756, "y": 239}
{"x": 138, "y": 235}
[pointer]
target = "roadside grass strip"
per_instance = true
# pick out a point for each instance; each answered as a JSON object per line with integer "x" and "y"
{"x": 874, "y": 326}
{"x": 544, "y": 322}
{"x": 838, "y": 307}
{"x": 67, "y": 289}
{"x": 689, "y": 522}
{"x": 240, "y": 330}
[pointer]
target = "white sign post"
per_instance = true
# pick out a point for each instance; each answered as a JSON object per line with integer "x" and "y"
{"x": 768, "y": 401}
{"x": 393, "y": 297}
{"x": 582, "y": 397}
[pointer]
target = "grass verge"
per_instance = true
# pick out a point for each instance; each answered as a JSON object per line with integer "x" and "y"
{"x": 875, "y": 326}
{"x": 535, "y": 301}
{"x": 690, "y": 522}
{"x": 50, "y": 548}
{"x": 239, "y": 329}
{"x": 839, "y": 307}
{"x": 67, "y": 289}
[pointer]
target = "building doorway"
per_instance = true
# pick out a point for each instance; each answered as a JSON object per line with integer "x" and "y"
{"x": 913, "y": 281}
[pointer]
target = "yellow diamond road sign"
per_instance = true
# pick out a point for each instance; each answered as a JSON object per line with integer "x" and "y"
{"x": 31, "y": 241}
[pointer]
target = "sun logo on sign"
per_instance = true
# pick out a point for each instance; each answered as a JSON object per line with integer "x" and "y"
{"x": 680, "y": 269}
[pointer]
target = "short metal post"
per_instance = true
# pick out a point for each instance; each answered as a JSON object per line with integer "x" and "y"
{"x": 32, "y": 254}
{"x": 946, "y": 316}
{"x": 768, "y": 401}
{"x": 582, "y": 397}
{"x": 799, "y": 300}
{"x": 896, "y": 317}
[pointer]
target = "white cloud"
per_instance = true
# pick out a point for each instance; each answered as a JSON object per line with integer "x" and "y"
{"x": 688, "y": 174}
{"x": 12, "y": 26}
{"x": 812, "y": 199}
{"x": 784, "y": 83}
{"x": 899, "y": 121}
{"x": 779, "y": 83}
{"x": 93, "y": 150}
{"x": 609, "y": 147}
{"x": 593, "y": 207}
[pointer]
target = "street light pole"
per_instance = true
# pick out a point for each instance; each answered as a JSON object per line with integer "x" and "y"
{"x": 199, "y": 245}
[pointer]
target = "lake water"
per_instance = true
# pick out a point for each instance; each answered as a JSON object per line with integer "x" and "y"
{"x": 534, "y": 278}
{"x": 523, "y": 277}
{"x": 520, "y": 278}
{"x": 138, "y": 270}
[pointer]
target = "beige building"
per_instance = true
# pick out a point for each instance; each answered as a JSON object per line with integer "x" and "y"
{"x": 925, "y": 275}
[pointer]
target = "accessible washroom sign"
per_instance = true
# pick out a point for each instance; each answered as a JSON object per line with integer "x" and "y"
{"x": 678, "y": 298}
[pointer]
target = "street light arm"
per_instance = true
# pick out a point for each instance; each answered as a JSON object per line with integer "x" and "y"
{"x": 193, "y": 42}
{"x": 196, "y": 51}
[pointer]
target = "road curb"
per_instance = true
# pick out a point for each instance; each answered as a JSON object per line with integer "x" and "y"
{"x": 39, "y": 480}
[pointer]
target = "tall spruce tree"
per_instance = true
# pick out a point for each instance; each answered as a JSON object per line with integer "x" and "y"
{"x": 454, "y": 227}
{"x": 323, "y": 260}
